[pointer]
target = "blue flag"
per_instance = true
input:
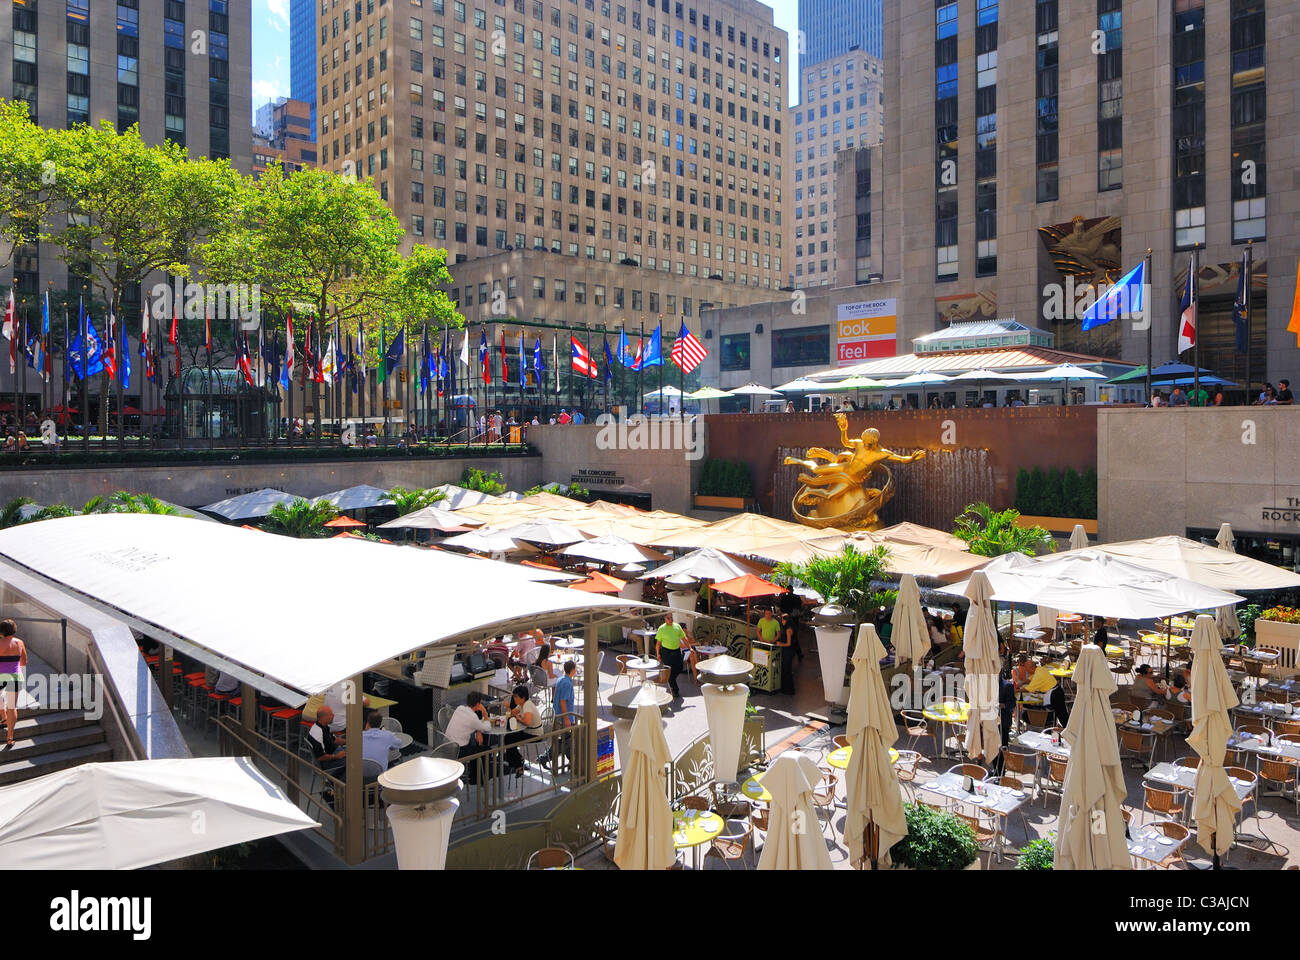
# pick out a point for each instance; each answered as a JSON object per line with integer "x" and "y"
{"x": 625, "y": 354}
{"x": 393, "y": 355}
{"x": 86, "y": 356}
{"x": 1241, "y": 304}
{"x": 1125, "y": 297}
{"x": 539, "y": 363}
{"x": 124, "y": 360}
{"x": 523, "y": 367}
{"x": 609, "y": 362}
{"x": 652, "y": 356}
{"x": 425, "y": 362}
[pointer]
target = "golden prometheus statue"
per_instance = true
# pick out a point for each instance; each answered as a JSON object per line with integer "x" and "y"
{"x": 838, "y": 493}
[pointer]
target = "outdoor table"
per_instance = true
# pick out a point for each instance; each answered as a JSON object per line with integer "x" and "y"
{"x": 569, "y": 643}
{"x": 1273, "y": 750}
{"x": 945, "y": 714}
{"x": 1160, "y": 640}
{"x": 643, "y": 665}
{"x": 1151, "y": 845}
{"x": 1180, "y": 623}
{"x": 753, "y": 789}
{"x": 1042, "y": 742}
{"x": 839, "y": 757}
{"x": 694, "y": 828}
{"x": 1169, "y": 775}
{"x": 1250, "y": 653}
{"x": 1114, "y": 651}
{"x": 1266, "y": 710}
{"x": 643, "y": 637}
{"x": 991, "y": 796}
{"x": 709, "y": 649}
{"x": 404, "y": 740}
{"x": 1062, "y": 671}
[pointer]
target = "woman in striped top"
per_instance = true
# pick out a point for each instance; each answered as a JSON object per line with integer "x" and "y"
{"x": 13, "y": 664}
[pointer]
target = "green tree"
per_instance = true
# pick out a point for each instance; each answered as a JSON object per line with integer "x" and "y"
{"x": 1072, "y": 493}
{"x": 1053, "y": 495}
{"x": 123, "y": 501}
{"x": 408, "y": 501}
{"x": 1037, "y": 499}
{"x": 1022, "y": 491}
{"x": 844, "y": 579}
{"x": 475, "y": 479}
{"x": 992, "y": 533}
{"x": 1089, "y": 494}
{"x": 24, "y": 180}
{"x": 11, "y": 512}
{"x": 299, "y": 518}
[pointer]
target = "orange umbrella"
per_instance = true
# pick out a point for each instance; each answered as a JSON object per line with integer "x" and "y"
{"x": 339, "y": 523}
{"x": 748, "y": 587}
{"x": 245, "y": 526}
{"x": 599, "y": 583}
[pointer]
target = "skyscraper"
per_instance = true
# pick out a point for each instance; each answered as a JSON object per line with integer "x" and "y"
{"x": 831, "y": 28}
{"x": 302, "y": 55}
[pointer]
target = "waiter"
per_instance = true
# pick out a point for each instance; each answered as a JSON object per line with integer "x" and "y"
{"x": 791, "y": 605}
{"x": 669, "y": 640}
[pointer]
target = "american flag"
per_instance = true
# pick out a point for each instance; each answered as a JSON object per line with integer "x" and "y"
{"x": 582, "y": 361}
{"x": 687, "y": 352}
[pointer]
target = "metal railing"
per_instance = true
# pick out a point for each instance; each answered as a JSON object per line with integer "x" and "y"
{"x": 495, "y": 788}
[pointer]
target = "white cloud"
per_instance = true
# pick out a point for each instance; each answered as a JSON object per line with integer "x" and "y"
{"x": 264, "y": 90}
{"x": 279, "y": 9}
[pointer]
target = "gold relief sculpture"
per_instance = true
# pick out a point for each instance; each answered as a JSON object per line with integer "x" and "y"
{"x": 1088, "y": 249}
{"x": 840, "y": 492}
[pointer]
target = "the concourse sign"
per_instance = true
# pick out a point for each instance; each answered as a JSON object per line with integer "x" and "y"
{"x": 866, "y": 330}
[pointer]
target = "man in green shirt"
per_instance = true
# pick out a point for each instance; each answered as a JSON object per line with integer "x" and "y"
{"x": 769, "y": 627}
{"x": 1198, "y": 398}
{"x": 669, "y": 640}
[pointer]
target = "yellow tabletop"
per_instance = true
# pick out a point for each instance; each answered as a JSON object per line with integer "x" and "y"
{"x": 839, "y": 758}
{"x": 1062, "y": 671}
{"x": 947, "y": 712}
{"x": 1159, "y": 640}
{"x": 379, "y": 703}
{"x": 753, "y": 789}
{"x": 694, "y": 827}
{"x": 1114, "y": 651}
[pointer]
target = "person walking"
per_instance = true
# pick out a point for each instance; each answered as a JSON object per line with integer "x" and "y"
{"x": 13, "y": 667}
{"x": 669, "y": 639}
{"x": 791, "y": 605}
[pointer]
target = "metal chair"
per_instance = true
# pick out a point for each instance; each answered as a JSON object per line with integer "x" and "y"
{"x": 550, "y": 858}
{"x": 1165, "y": 803}
{"x": 731, "y": 845}
{"x": 1055, "y": 782}
{"x": 1176, "y": 832}
{"x": 1138, "y": 745}
{"x": 972, "y": 770}
{"x": 916, "y": 726}
{"x": 391, "y": 724}
{"x": 985, "y": 829}
{"x": 446, "y": 751}
{"x": 824, "y": 796}
{"x": 1019, "y": 762}
{"x": 1282, "y": 774}
{"x": 906, "y": 768}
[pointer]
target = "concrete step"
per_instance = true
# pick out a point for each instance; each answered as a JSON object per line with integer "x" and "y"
{"x": 32, "y": 722}
{"x": 38, "y": 743}
{"x": 17, "y": 771}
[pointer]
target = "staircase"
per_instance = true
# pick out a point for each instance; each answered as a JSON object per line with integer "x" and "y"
{"x": 49, "y": 740}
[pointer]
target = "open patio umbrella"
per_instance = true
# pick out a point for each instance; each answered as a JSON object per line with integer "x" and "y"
{"x": 707, "y": 564}
{"x": 708, "y": 393}
{"x": 343, "y": 523}
{"x": 747, "y": 587}
{"x": 875, "y": 820}
{"x": 1078, "y": 537}
{"x": 1090, "y": 833}
{"x": 433, "y": 518}
{"x": 613, "y": 549}
{"x": 1226, "y": 617}
{"x": 914, "y": 533}
{"x": 599, "y": 583}
{"x": 456, "y": 497}
{"x": 1065, "y": 372}
{"x": 248, "y": 506}
{"x": 752, "y": 389}
{"x": 1198, "y": 562}
{"x": 982, "y": 376}
{"x": 489, "y": 541}
{"x": 546, "y": 532}
{"x": 133, "y": 814}
{"x": 645, "y": 819}
{"x": 793, "y": 840}
{"x": 360, "y": 497}
{"x": 1215, "y": 804}
{"x": 909, "y": 636}
{"x": 980, "y": 642}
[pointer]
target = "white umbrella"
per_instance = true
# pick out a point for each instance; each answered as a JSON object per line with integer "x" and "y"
{"x": 980, "y": 641}
{"x": 793, "y": 840}
{"x": 1078, "y": 537}
{"x": 909, "y": 636}
{"x": 1215, "y": 804}
{"x": 548, "y": 532}
{"x": 752, "y": 389}
{"x": 922, "y": 378}
{"x": 1065, "y": 372}
{"x": 874, "y": 797}
{"x": 360, "y": 497}
{"x": 432, "y": 518}
{"x": 1205, "y": 564}
{"x": 707, "y": 563}
{"x": 1226, "y": 617}
{"x": 612, "y": 549}
{"x": 645, "y": 819}
{"x": 454, "y": 497}
{"x": 666, "y": 391}
{"x": 132, "y": 814}
{"x": 1090, "y": 833}
{"x": 247, "y": 506}
{"x": 801, "y": 385}
{"x": 488, "y": 541}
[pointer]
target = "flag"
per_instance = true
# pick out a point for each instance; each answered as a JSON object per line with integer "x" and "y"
{"x": 36, "y": 355}
{"x": 484, "y": 360}
{"x": 1294, "y": 325}
{"x": 425, "y": 365}
{"x": 1187, "y": 320}
{"x": 539, "y": 363}
{"x": 609, "y": 362}
{"x": 582, "y": 361}
{"x": 523, "y": 367}
{"x": 1125, "y": 297}
{"x": 625, "y": 354}
{"x": 124, "y": 365}
{"x": 393, "y": 355}
{"x": 555, "y": 360}
{"x": 259, "y": 376}
{"x": 110, "y": 353}
{"x": 11, "y": 330}
{"x": 361, "y": 353}
{"x": 464, "y": 347}
{"x": 45, "y": 338}
{"x": 444, "y": 367}
{"x": 505, "y": 376}
{"x": 329, "y": 366}
{"x": 173, "y": 335}
{"x": 687, "y": 352}
{"x": 1241, "y": 304}
{"x": 86, "y": 353}
{"x": 287, "y": 367}
{"x": 449, "y": 366}
{"x": 144, "y": 345}
{"x": 653, "y": 355}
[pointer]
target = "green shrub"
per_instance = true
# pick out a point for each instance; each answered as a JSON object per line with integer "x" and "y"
{"x": 1037, "y": 493}
{"x": 1088, "y": 508}
{"x": 935, "y": 841}
{"x": 1022, "y": 492}
{"x": 1038, "y": 854}
{"x": 1072, "y": 493}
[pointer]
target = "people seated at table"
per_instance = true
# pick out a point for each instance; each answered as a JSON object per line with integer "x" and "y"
{"x": 376, "y": 742}
{"x": 498, "y": 651}
{"x": 562, "y": 707}
{"x": 1053, "y": 695}
{"x": 1148, "y": 684}
{"x": 1024, "y": 672}
{"x": 938, "y": 638}
{"x": 1180, "y": 690}
{"x": 528, "y": 718}
{"x": 337, "y": 698}
{"x": 546, "y": 665}
{"x": 326, "y": 745}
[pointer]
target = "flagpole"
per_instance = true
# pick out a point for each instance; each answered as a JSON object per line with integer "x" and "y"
{"x": 640, "y": 369}
{"x": 21, "y": 415}
{"x": 681, "y": 378}
{"x": 660, "y": 328}
{"x": 1146, "y": 306}
{"x": 85, "y": 398}
{"x": 121, "y": 354}
{"x": 1194, "y": 284}
{"x": 1246, "y": 296}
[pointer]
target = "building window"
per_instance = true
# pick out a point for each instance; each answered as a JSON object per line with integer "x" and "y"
{"x": 801, "y": 347}
{"x": 733, "y": 352}
{"x": 1188, "y": 121}
{"x": 1110, "y": 96}
{"x": 1047, "y": 145}
{"x": 1248, "y": 116}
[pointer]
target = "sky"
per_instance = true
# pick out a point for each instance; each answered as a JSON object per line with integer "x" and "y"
{"x": 271, "y": 46}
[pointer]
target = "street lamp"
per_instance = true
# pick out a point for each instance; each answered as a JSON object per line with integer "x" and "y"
{"x": 421, "y": 797}
{"x": 725, "y": 696}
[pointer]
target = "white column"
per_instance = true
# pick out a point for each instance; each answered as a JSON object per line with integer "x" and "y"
{"x": 421, "y": 832}
{"x": 833, "y": 653}
{"x": 725, "y": 709}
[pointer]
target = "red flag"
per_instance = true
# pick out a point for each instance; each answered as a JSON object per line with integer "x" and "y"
{"x": 110, "y": 353}
{"x": 172, "y": 336}
{"x": 207, "y": 334}
{"x": 505, "y": 377}
{"x": 11, "y": 331}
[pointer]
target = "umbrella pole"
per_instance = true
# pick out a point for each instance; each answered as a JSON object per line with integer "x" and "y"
{"x": 1169, "y": 635}
{"x": 872, "y": 843}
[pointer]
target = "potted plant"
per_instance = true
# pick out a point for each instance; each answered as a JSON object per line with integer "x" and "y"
{"x": 1246, "y": 616}
{"x": 935, "y": 841}
{"x": 844, "y": 583}
{"x": 991, "y": 533}
{"x": 1279, "y": 628}
{"x": 724, "y": 485}
{"x": 1038, "y": 854}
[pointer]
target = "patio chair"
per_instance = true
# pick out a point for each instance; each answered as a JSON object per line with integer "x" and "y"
{"x": 1249, "y": 776}
{"x": 1192, "y": 763}
{"x": 693, "y": 802}
{"x": 1176, "y": 832}
{"x": 840, "y": 741}
{"x": 915, "y": 726}
{"x": 731, "y": 845}
{"x": 1280, "y": 773}
{"x": 1235, "y": 758}
{"x": 1165, "y": 803}
{"x": 550, "y": 858}
{"x": 972, "y": 770}
{"x": 824, "y": 796}
{"x": 1252, "y": 729}
{"x": 985, "y": 829}
{"x": 1139, "y": 745}
{"x": 1286, "y": 727}
{"x": 1036, "y": 718}
{"x": 371, "y": 769}
{"x": 1122, "y": 667}
{"x": 1013, "y": 783}
{"x": 391, "y": 724}
{"x": 905, "y": 769}
{"x": 607, "y": 829}
{"x": 725, "y": 804}
{"x": 1020, "y": 762}
{"x": 622, "y": 674}
{"x": 446, "y": 751}
{"x": 759, "y": 818}
{"x": 1293, "y": 738}
{"x": 1055, "y": 782}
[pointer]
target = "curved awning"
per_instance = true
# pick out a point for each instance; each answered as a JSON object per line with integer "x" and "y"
{"x": 304, "y": 614}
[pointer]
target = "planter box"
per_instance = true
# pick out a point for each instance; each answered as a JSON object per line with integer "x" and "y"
{"x": 1063, "y": 525}
{"x": 720, "y": 503}
{"x": 1283, "y": 637}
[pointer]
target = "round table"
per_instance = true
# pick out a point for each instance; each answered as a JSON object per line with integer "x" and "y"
{"x": 568, "y": 644}
{"x": 944, "y": 714}
{"x": 643, "y": 665}
{"x": 710, "y": 649}
{"x": 839, "y": 758}
{"x": 753, "y": 789}
{"x": 643, "y": 635}
{"x": 1063, "y": 672}
{"x": 1160, "y": 640}
{"x": 694, "y": 828}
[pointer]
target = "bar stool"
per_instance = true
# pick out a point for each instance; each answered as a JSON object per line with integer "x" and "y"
{"x": 286, "y": 716}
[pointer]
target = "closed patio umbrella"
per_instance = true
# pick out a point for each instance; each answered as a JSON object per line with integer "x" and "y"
{"x": 1215, "y": 804}
{"x": 909, "y": 637}
{"x": 793, "y": 840}
{"x": 875, "y": 819}
{"x": 1078, "y": 537}
{"x": 1225, "y": 617}
{"x": 980, "y": 641}
{"x": 645, "y": 819}
{"x": 1090, "y": 833}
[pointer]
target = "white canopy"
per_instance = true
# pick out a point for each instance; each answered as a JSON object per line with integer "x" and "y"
{"x": 552, "y": 533}
{"x": 489, "y": 541}
{"x": 457, "y": 497}
{"x": 360, "y": 497}
{"x": 612, "y": 549}
{"x": 752, "y": 389}
{"x": 1098, "y": 585}
{"x": 1193, "y": 560}
{"x": 266, "y": 617}
{"x": 248, "y": 506}
{"x": 123, "y": 816}
{"x": 432, "y": 518}
{"x": 708, "y": 563}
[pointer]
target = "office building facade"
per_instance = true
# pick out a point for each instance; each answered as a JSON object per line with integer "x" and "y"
{"x": 1036, "y": 157}
{"x": 302, "y": 55}
{"x": 831, "y": 28}
{"x": 283, "y": 133}
{"x": 843, "y": 108}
